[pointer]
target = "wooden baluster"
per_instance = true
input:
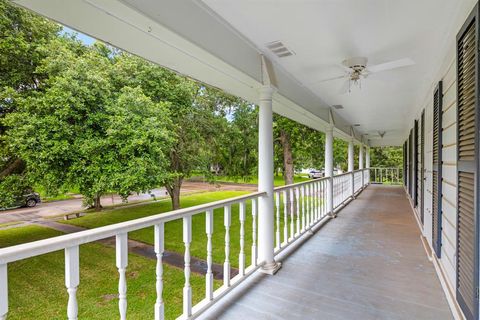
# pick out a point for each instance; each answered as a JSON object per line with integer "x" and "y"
{"x": 312, "y": 199}
{"x": 72, "y": 280}
{"x": 312, "y": 202}
{"x": 323, "y": 198}
{"x": 226, "y": 265}
{"x": 285, "y": 216}
{"x": 292, "y": 210}
{"x": 314, "y": 208}
{"x": 254, "y": 232}
{"x": 159, "y": 247}
{"x": 209, "y": 274}
{"x": 3, "y": 291}
{"x": 307, "y": 199}
{"x": 277, "y": 229}
{"x": 187, "y": 289}
{"x": 317, "y": 201}
{"x": 304, "y": 217}
{"x": 297, "y": 200}
{"x": 241, "y": 255}
{"x": 122, "y": 262}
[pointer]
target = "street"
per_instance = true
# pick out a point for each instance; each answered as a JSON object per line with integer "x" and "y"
{"x": 56, "y": 208}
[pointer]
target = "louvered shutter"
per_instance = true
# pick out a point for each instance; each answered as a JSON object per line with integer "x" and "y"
{"x": 415, "y": 164}
{"x": 422, "y": 165}
{"x": 405, "y": 163}
{"x": 410, "y": 163}
{"x": 467, "y": 164}
{"x": 437, "y": 171}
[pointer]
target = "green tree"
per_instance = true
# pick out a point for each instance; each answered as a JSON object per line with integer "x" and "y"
{"x": 80, "y": 132}
{"x": 386, "y": 157}
{"x": 23, "y": 38}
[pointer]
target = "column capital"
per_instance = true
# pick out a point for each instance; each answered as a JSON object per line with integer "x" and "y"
{"x": 266, "y": 92}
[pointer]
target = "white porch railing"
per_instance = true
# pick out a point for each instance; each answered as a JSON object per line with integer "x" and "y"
{"x": 298, "y": 207}
{"x": 358, "y": 178}
{"x": 342, "y": 189}
{"x": 386, "y": 175}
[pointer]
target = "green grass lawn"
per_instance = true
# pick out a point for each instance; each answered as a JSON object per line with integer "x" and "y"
{"x": 277, "y": 181}
{"x": 37, "y": 290}
{"x": 173, "y": 229}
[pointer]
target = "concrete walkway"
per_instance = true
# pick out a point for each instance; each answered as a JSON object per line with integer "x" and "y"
{"x": 169, "y": 257}
{"x": 368, "y": 263}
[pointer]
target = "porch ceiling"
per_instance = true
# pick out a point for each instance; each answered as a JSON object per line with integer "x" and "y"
{"x": 220, "y": 42}
{"x": 323, "y": 33}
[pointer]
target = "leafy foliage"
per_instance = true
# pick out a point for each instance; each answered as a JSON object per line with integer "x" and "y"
{"x": 386, "y": 157}
{"x": 82, "y": 132}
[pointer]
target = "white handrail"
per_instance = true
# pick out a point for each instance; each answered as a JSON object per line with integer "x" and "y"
{"x": 389, "y": 175}
{"x": 36, "y": 248}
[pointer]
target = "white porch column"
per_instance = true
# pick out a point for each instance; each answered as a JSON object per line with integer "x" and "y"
{"x": 351, "y": 156}
{"x": 265, "y": 182}
{"x": 360, "y": 158}
{"x": 329, "y": 167}
{"x": 351, "y": 165}
{"x": 367, "y": 157}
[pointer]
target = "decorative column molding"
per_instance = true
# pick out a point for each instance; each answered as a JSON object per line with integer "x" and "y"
{"x": 265, "y": 182}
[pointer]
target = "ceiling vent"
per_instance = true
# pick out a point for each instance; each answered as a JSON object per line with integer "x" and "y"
{"x": 279, "y": 49}
{"x": 337, "y": 106}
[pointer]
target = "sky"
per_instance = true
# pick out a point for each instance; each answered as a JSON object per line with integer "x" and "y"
{"x": 80, "y": 36}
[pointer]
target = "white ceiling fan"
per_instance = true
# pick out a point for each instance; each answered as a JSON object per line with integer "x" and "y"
{"x": 356, "y": 69}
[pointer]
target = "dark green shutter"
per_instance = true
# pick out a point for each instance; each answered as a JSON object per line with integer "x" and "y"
{"x": 415, "y": 164}
{"x": 422, "y": 165}
{"x": 467, "y": 164}
{"x": 405, "y": 163}
{"x": 410, "y": 164}
{"x": 437, "y": 171}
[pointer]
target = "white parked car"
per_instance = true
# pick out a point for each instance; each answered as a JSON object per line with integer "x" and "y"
{"x": 315, "y": 174}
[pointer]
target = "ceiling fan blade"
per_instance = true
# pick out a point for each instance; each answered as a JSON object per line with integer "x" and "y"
{"x": 345, "y": 88}
{"x": 390, "y": 65}
{"x": 333, "y": 78}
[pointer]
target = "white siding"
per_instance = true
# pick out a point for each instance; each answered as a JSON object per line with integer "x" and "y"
{"x": 449, "y": 169}
{"x": 427, "y": 225}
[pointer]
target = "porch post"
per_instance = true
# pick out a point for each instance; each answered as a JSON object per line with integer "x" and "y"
{"x": 360, "y": 162}
{"x": 265, "y": 182}
{"x": 329, "y": 167}
{"x": 351, "y": 164}
{"x": 367, "y": 157}
{"x": 360, "y": 157}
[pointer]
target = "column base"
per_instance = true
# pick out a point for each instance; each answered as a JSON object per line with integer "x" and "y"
{"x": 271, "y": 268}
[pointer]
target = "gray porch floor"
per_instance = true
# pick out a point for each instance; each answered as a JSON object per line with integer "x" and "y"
{"x": 368, "y": 263}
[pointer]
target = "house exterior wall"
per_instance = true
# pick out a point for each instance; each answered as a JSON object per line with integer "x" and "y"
{"x": 447, "y": 260}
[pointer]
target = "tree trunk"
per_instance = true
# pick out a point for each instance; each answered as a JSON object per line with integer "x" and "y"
{"x": 288, "y": 171}
{"x": 173, "y": 190}
{"x": 96, "y": 203}
{"x": 16, "y": 166}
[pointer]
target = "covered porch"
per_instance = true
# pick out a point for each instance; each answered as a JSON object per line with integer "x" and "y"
{"x": 367, "y": 263}
{"x": 332, "y": 248}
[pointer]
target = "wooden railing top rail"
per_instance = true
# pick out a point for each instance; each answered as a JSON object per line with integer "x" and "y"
{"x": 40, "y": 247}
